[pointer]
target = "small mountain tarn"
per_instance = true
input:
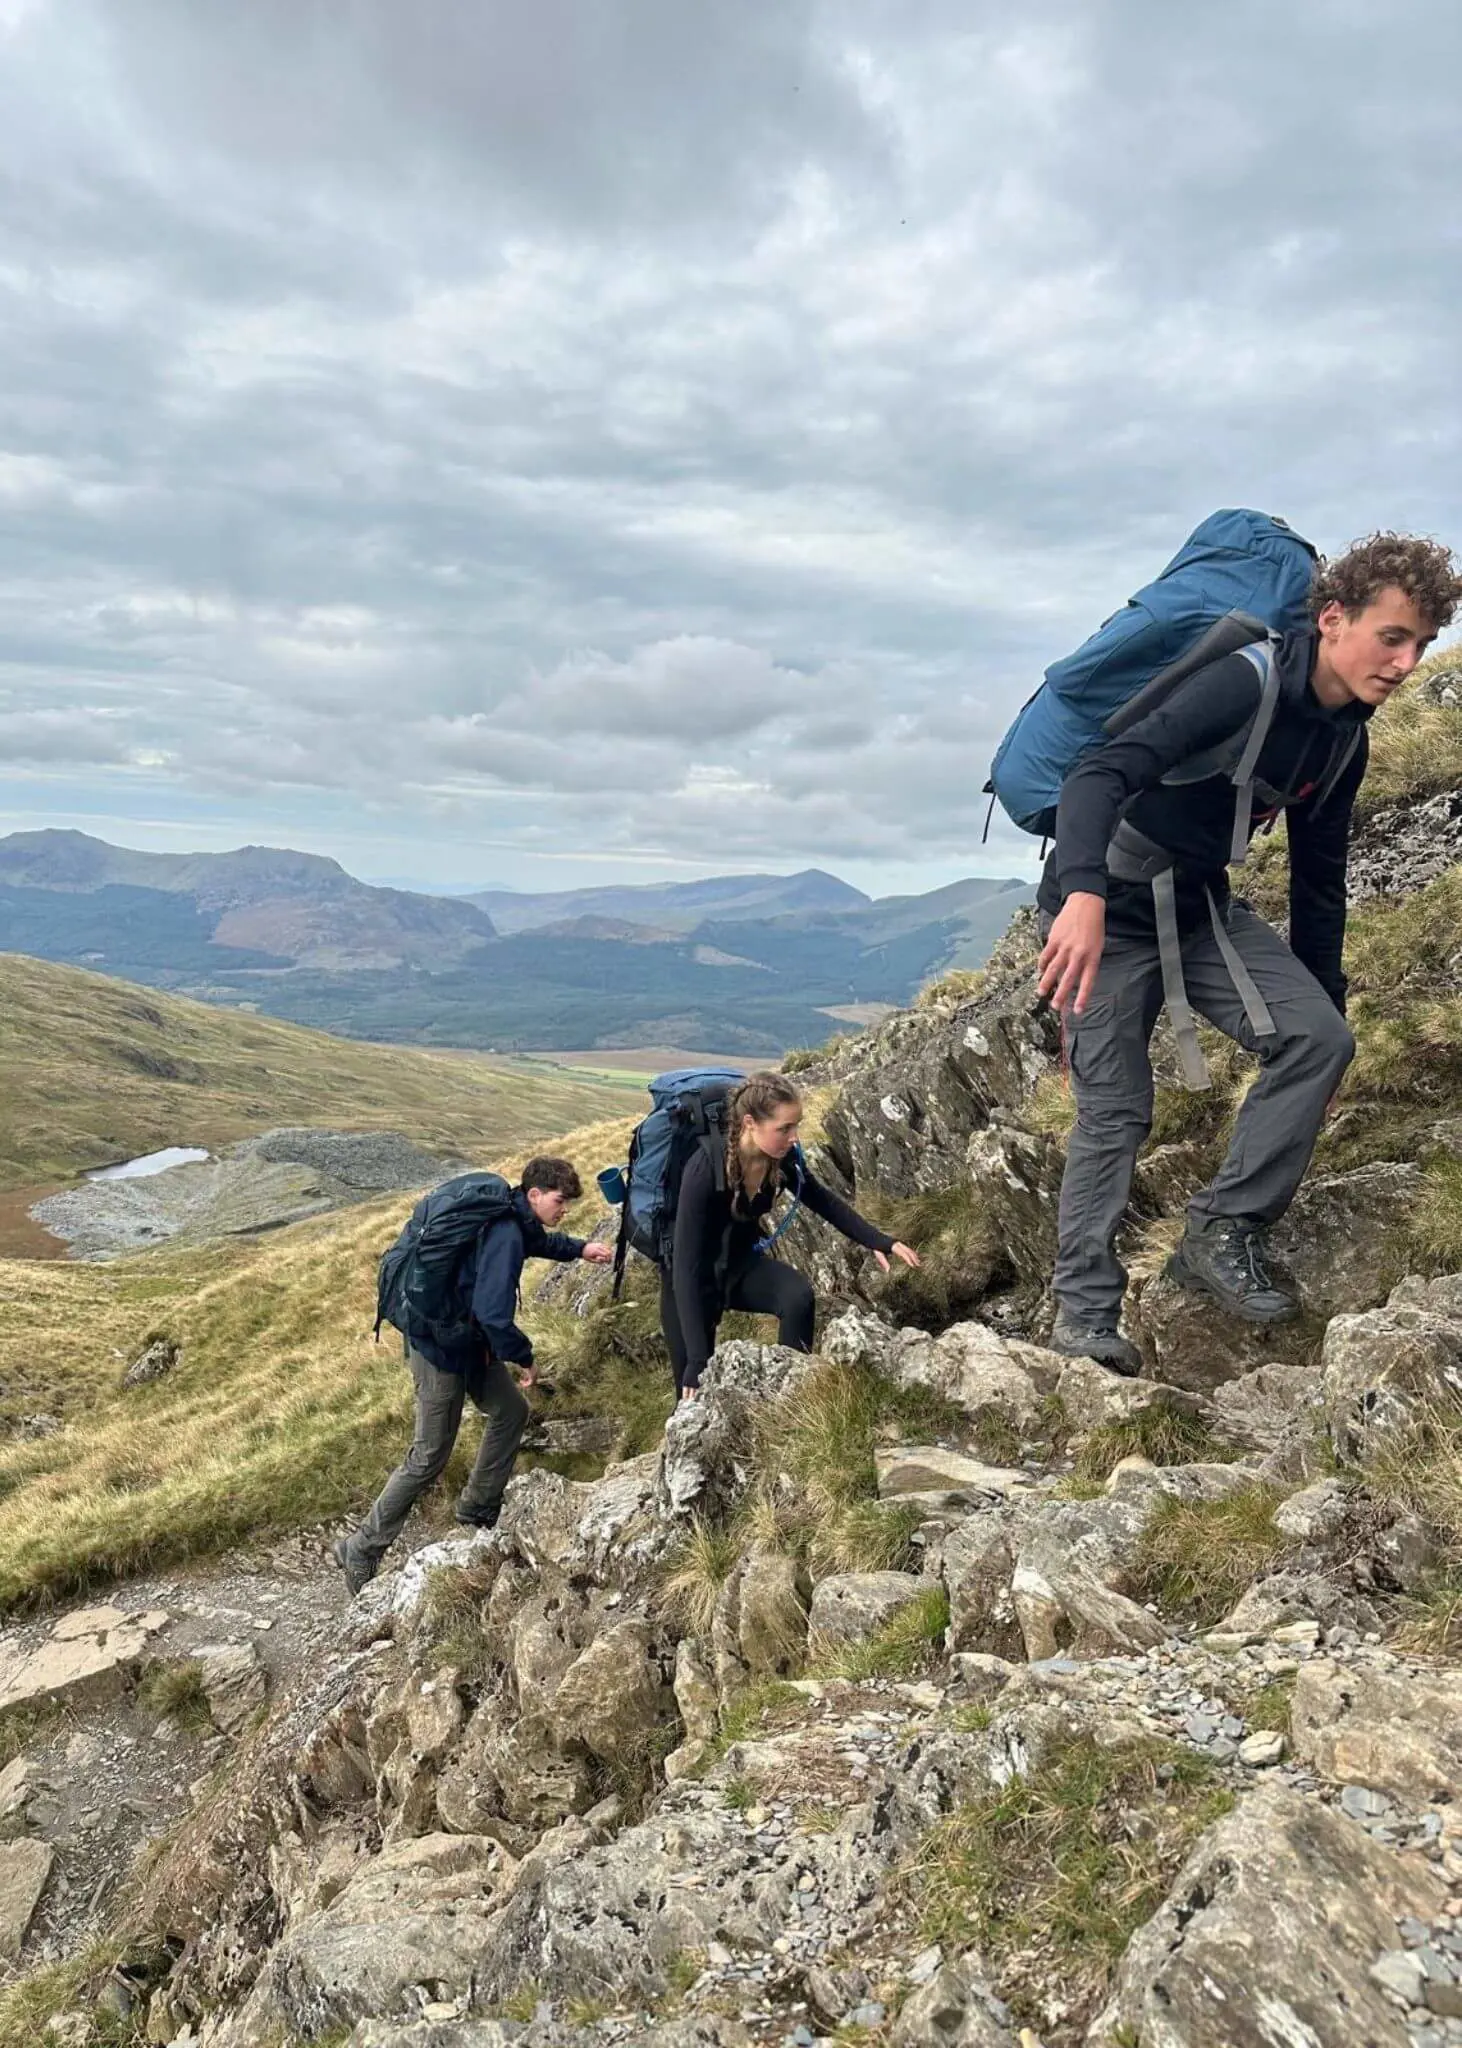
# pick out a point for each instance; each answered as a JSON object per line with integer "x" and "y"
{"x": 931, "y": 1686}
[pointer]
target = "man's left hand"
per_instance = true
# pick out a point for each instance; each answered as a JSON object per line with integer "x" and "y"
{"x": 597, "y": 1254}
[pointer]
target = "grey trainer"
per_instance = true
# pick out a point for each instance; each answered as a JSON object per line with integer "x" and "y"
{"x": 1225, "y": 1260}
{"x": 1102, "y": 1341}
{"x": 358, "y": 1570}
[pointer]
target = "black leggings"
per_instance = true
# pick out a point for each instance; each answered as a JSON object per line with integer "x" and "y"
{"x": 764, "y": 1288}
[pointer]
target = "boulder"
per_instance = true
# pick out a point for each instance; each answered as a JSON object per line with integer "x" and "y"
{"x": 929, "y": 1468}
{"x": 1396, "y": 1731}
{"x": 1317, "y": 1514}
{"x": 504, "y": 1771}
{"x": 1287, "y": 1599}
{"x": 90, "y": 1655}
{"x": 1091, "y": 1397}
{"x": 955, "y": 2009}
{"x": 978, "y": 1566}
{"x": 611, "y": 1696}
{"x": 25, "y": 1871}
{"x": 160, "y": 1357}
{"x": 970, "y": 1367}
{"x": 706, "y": 1466}
{"x": 29, "y": 1802}
{"x": 1019, "y": 1177}
{"x": 235, "y": 1684}
{"x": 1064, "y": 1610}
{"x": 1259, "y": 1409}
{"x": 854, "y": 1605}
{"x": 1381, "y": 1370}
{"x": 1267, "y": 1937}
{"x": 407, "y": 1927}
{"x": 772, "y": 1621}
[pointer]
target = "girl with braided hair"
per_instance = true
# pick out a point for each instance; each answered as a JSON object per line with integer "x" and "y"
{"x": 718, "y": 1261}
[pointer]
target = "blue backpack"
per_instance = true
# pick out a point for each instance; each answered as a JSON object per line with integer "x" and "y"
{"x": 418, "y": 1282}
{"x": 1241, "y": 579}
{"x": 689, "y": 1112}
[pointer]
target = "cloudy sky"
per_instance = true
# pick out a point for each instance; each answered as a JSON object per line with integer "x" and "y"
{"x": 546, "y": 442}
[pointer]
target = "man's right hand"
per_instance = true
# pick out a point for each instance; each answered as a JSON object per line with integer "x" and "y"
{"x": 1072, "y": 954}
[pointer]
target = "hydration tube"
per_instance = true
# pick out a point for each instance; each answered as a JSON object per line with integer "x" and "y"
{"x": 765, "y": 1244}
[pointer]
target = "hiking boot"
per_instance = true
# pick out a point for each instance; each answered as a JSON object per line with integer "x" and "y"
{"x": 1102, "y": 1341}
{"x": 358, "y": 1570}
{"x": 1225, "y": 1260}
{"x": 473, "y": 1519}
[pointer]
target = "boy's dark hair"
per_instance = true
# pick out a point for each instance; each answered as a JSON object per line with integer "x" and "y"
{"x": 1422, "y": 569}
{"x": 554, "y": 1176}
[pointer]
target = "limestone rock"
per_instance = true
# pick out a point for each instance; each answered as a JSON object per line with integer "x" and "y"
{"x": 1396, "y": 1732}
{"x": 978, "y": 1566}
{"x": 25, "y": 1871}
{"x": 502, "y": 1770}
{"x": 706, "y": 1464}
{"x": 90, "y": 1655}
{"x": 970, "y": 1366}
{"x": 612, "y": 1695}
{"x": 852, "y": 1606}
{"x": 772, "y": 1622}
{"x": 1268, "y": 1935}
{"x": 1066, "y": 1611}
{"x": 1316, "y": 1514}
{"x": 924, "y": 1468}
{"x": 1382, "y": 1368}
{"x": 235, "y": 1683}
{"x": 695, "y": 1690}
{"x": 955, "y": 2009}
{"x": 605, "y": 1531}
{"x": 412, "y": 1919}
{"x": 1092, "y": 1397}
{"x": 1288, "y": 1598}
{"x": 160, "y": 1357}
{"x": 1019, "y": 1177}
{"x": 1190, "y": 1343}
{"x": 29, "y": 1803}
{"x": 1259, "y": 1409}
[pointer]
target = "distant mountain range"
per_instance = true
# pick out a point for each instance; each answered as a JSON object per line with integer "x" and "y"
{"x": 736, "y": 963}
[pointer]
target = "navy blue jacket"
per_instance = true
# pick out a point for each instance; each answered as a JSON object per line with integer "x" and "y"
{"x": 489, "y": 1285}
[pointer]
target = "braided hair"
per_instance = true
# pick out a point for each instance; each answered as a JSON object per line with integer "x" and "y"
{"x": 758, "y": 1097}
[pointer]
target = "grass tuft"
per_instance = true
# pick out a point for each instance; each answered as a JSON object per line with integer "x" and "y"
{"x": 456, "y": 1620}
{"x": 1436, "y": 1216}
{"x": 960, "y": 985}
{"x": 1196, "y": 1558}
{"x": 1165, "y": 1435}
{"x": 1050, "y": 1877}
{"x": 175, "y": 1692}
{"x": 698, "y": 1569}
{"x": 960, "y": 1249}
{"x": 909, "y": 1643}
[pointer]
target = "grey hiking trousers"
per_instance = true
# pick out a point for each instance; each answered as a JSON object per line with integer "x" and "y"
{"x": 1301, "y": 1063}
{"x": 439, "y": 1401}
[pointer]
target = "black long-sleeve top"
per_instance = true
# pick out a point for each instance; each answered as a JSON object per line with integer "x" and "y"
{"x": 714, "y": 1245}
{"x": 489, "y": 1284}
{"x": 1194, "y": 821}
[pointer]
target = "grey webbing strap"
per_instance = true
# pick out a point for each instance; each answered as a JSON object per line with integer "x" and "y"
{"x": 1175, "y": 993}
{"x": 1255, "y": 1007}
{"x": 1262, "y": 657}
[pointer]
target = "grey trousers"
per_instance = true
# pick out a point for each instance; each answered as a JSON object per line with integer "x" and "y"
{"x": 1301, "y": 1064}
{"x": 439, "y": 1401}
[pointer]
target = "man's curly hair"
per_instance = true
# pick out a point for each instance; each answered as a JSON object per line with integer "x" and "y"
{"x": 1422, "y": 569}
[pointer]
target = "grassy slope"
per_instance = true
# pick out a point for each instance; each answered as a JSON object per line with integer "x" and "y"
{"x": 282, "y": 1412}
{"x": 97, "y": 1070}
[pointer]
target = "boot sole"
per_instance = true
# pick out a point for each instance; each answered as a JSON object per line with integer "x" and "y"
{"x": 1198, "y": 1283}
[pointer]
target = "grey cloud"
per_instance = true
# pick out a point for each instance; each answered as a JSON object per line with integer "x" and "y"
{"x": 717, "y": 427}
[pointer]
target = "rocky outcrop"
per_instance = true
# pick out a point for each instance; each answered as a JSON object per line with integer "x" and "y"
{"x": 92, "y": 1652}
{"x": 1269, "y": 1935}
{"x": 1399, "y": 1731}
{"x": 1383, "y": 1370}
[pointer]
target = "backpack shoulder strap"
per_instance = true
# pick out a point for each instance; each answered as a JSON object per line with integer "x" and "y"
{"x": 1261, "y": 655}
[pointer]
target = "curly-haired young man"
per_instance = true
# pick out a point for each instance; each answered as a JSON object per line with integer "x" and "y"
{"x": 1136, "y": 895}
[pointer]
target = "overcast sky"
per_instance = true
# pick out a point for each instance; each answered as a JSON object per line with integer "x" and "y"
{"x": 546, "y": 442}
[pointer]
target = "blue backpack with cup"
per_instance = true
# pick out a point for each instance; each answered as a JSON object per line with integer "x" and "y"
{"x": 689, "y": 1111}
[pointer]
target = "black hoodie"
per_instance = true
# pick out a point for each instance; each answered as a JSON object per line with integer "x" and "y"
{"x": 1194, "y": 821}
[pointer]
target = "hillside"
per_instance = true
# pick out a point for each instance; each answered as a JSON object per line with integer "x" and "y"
{"x": 97, "y": 1070}
{"x": 293, "y": 935}
{"x": 673, "y": 906}
{"x": 182, "y": 914}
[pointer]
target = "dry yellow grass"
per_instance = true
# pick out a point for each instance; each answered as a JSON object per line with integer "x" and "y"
{"x": 282, "y": 1413}
{"x": 98, "y": 1070}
